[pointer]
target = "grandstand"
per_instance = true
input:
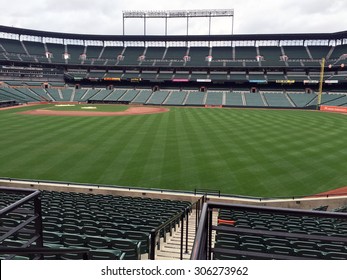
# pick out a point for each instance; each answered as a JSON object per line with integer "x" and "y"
{"x": 274, "y": 60}
{"x": 279, "y": 71}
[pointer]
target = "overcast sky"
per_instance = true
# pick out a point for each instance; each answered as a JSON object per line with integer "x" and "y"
{"x": 105, "y": 16}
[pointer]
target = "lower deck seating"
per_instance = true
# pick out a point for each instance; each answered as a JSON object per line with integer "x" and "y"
{"x": 302, "y": 100}
{"x": 113, "y": 227}
{"x": 277, "y": 100}
{"x": 195, "y": 98}
{"x": 176, "y": 98}
{"x": 241, "y": 97}
{"x": 272, "y": 238}
{"x": 254, "y": 100}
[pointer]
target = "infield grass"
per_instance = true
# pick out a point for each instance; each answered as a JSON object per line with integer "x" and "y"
{"x": 248, "y": 152}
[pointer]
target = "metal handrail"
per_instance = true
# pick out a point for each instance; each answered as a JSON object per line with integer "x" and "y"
{"x": 36, "y": 217}
{"x": 207, "y": 192}
{"x": 156, "y": 232}
{"x": 38, "y": 231}
{"x": 200, "y": 243}
{"x": 32, "y": 194}
{"x": 180, "y": 216}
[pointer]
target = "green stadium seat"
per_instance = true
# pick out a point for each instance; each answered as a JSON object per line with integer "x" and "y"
{"x": 113, "y": 233}
{"x": 18, "y": 258}
{"x": 24, "y": 235}
{"x": 137, "y": 221}
{"x": 234, "y": 245}
{"x": 87, "y": 216}
{"x": 103, "y": 218}
{"x": 106, "y": 254}
{"x": 332, "y": 247}
{"x": 129, "y": 247}
{"x": 16, "y": 216}
{"x": 145, "y": 228}
{"x": 227, "y": 237}
{"x": 278, "y": 229}
{"x": 50, "y": 219}
{"x": 139, "y": 236}
{"x": 90, "y": 230}
{"x": 293, "y": 228}
{"x": 259, "y": 227}
{"x": 86, "y": 222}
{"x": 12, "y": 243}
{"x": 304, "y": 245}
{"x": 70, "y": 214}
{"x": 71, "y": 221}
{"x": 70, "y": 228}
{"x": 225, "y": 256}
{"x": 336, "y": 255}
{"x": 52, "y": 227}
{"x": 52, "y": 237}
{"x": 97, "y": 242}
{"x": 281, "y": 250}
{"x": 277, "y": 242}
{"x": 9, "y": 222}
{"x": 253, "y": 247}
{"x": 251, "y": 239}
{"x": 260, "y": 223}
{"x": 72, "y": 240}
{"x": 119, "y": 220}
{"x": 104, "y": 225}
{"x": 125, "y": 227}
{"x": 52, "y": 256}
{"x": 307, "y": 253}
{"x": 73, "y": 256}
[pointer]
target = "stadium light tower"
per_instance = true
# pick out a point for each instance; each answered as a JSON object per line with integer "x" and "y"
{"x": 187, "y": 14}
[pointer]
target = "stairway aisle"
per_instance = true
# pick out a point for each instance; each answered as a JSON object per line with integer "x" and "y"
{"x": 171, "y": 249}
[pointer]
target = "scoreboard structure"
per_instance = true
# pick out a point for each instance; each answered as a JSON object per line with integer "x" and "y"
{"x": 184, "y": 14}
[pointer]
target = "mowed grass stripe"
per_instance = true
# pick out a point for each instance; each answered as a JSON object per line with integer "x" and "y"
{"x": 178, "y": 168}
{"x": 34, "y": 135}
{"x": 103, "y": 159}
{"x": 85, "y": 151}
{"x": 140, "y": 154}
{"x": 51, "y": 148}
{"x": 213, "y": 138}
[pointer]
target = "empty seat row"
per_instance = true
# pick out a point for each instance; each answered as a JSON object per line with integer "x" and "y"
{"x": 131, "y": 248}
{"x": 274, "y": 252}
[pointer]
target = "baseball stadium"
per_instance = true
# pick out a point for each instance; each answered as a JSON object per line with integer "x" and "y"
{"x": 133, "y": 147}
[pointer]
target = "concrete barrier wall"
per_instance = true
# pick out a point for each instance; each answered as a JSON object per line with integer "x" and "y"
{"x": 295, "y": 203}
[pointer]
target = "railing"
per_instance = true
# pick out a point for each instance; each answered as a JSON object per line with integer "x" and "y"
{"x": 207, "y": 192}
{"x": 193, "y": 192}
{"x": 98, "y": 186}
{"x": 203, "y": 249}
{"x": 35, "y": 243}
{"x": 30, "y": 195}
{"x": 155, "y": 234}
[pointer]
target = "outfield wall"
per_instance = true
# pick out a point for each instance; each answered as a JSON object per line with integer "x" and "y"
{"x": 336, "y": 109}
{"x": 295, "y": 203}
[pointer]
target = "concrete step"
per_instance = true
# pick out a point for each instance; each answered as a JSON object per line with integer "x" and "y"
{"x": 170, "y": 250}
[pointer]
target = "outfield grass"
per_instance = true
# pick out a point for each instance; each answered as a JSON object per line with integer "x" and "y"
{"x": 246, "y": 152}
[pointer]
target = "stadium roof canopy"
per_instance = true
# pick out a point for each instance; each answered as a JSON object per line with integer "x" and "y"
{"x": 240, "y": 37}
